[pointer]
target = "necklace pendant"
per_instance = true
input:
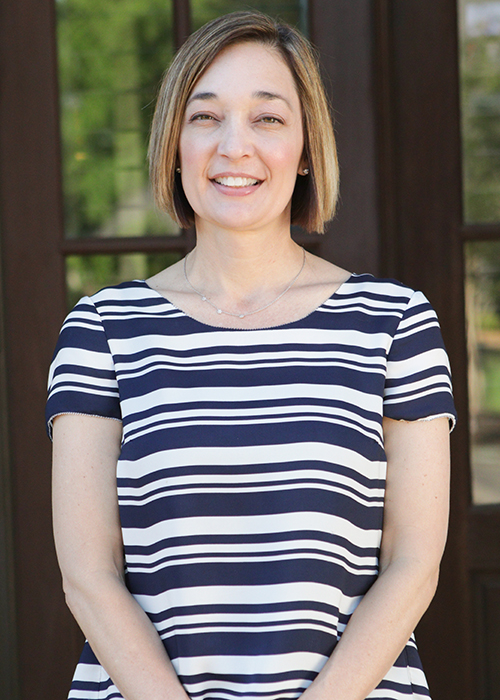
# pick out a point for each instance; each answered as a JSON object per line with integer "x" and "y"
{"x": 262, "y": 308}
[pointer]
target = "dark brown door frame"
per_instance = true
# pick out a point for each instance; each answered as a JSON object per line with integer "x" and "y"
{"x": 33, "y": 304}
{"x": 421, "y": 212}
{"x": 344, "y": 33}
{"x": 394, "y": 85}
{"x": 8, "y": 632}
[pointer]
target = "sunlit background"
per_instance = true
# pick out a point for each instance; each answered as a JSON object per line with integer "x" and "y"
{"x": 111, "y": 59}
{"x": 112, "y": 56}
{"x": 480, "y": 83}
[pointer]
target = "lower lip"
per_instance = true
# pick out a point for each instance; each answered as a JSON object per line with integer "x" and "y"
{"x": 235, "y": 191}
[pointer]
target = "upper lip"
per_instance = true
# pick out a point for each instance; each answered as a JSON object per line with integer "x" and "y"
{"x": 245, "y": 175}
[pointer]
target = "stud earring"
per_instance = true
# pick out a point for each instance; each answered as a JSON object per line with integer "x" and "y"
{"x": 305, "y": 171}
{"x": 177, "y": 170}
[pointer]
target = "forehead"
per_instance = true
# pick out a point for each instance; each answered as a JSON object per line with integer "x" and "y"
{"x": 247, "y": 66}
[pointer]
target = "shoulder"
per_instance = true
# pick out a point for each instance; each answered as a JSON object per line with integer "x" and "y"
{"x": 119, "y": 301}
{"x": 366, "y": 284}
{"x": 124, "y": 292}
{"x": 382, "y": 293}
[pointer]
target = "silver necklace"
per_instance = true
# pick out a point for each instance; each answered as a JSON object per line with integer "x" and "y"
{"x": 250, "y": 313}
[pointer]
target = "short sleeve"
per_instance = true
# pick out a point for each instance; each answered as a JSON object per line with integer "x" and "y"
{"x": 418, "y": 381}
{"x": 82, "y": 376}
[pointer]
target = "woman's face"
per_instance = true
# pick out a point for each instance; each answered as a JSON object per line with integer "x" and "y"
{"x": 242, "y": 140}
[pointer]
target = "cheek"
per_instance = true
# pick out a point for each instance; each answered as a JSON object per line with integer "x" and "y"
{"x": 189, "y": 150}
{"x": 287, "y": 156}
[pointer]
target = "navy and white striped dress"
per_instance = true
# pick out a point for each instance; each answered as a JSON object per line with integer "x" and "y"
{"x": 252, "y": 471}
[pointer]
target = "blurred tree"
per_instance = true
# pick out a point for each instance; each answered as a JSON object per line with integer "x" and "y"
{"x": 480, "y": 91}
{"x": 291, "y": 11}
{"x": 111, "y": 58}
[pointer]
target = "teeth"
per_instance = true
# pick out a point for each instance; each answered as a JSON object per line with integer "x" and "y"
{"x": 236, "y": 181}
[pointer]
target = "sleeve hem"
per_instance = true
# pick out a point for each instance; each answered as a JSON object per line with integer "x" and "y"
{"x": 451, "y": 419}
{"x": 50, "y": 422}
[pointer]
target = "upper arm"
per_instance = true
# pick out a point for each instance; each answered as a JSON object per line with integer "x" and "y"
{"x": 417, "y": 491}
{"x": 85, "y": 503}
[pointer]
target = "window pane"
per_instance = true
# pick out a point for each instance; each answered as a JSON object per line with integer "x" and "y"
{"x": 482, "y": 294}
{"x": 86, "y": 274}
{"x": 480, "y": 95}
{"x": 111, "y": 59}
{"x": 291, "y": 11}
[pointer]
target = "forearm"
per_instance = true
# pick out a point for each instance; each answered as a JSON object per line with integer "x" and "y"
{"x": 124, "y": 639}
{"x": 376, "y": 633}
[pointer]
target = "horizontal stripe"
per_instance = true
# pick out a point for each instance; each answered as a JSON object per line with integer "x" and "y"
{"x": 251, "y": 481}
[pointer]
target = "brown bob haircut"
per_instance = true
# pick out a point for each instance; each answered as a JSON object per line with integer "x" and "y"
{"x": 315, "y": 195}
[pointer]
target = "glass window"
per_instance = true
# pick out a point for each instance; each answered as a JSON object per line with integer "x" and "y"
{"x": 86, "y": 274}
{"x": 291, "y": 11}
{"x": 111, "y": 59}
{"x": 482, "y": 295}
{"x": 480, "y": 83}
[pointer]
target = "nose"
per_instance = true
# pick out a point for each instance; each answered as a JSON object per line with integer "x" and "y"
{"x": 235, "y": 140}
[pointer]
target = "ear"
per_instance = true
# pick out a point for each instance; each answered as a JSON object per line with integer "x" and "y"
{"x": 303, "y": 166}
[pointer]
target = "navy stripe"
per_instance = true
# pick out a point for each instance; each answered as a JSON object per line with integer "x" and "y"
{"x": 252, "y": 474}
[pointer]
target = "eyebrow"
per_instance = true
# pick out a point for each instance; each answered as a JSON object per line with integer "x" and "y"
{"x": 260, "y": 94}
{"x": 264, "y": 95}
{"x": 202, "y": 96}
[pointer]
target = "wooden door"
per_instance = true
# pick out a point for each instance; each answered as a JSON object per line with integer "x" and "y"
{"x": 428, "y": 234}
{"x": 392, "y": 70}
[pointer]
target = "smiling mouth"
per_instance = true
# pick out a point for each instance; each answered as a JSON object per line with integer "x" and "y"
{"x": 236, "y": 181}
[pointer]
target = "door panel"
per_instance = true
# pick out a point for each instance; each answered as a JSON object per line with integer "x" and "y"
{"x": 392, "y": 72}
{"x": 419, "y": 114}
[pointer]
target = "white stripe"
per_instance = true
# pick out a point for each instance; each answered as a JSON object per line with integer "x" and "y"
{"x": 157, "y": 358}
{"x": 252, "y": 481}
{"x": 277, "y": 336}
{"x": 211, "y": 365}
{"x": 235, "y": 629}
{"x": 270, "y": 548}
{"x": 277, "y": 663}
{"x": 376, "y": 501}
{"x": 238, "y": 422}
{"x": 247, "y": 455}
{"x": 419, "y": 363}
{"x": 278, "y": 687}
{"x": 245, "y": 525}
{"x": 176, "y": 395}
{"x": 254, "y": 617}
{"x": 404, "y": 398}
{"x": 249, "y": 595}
{"x": 421, "y": 384}
{"x": 95, "y": 391}
{"x": 85, "y": 358}
{"x": 369, "y": 571}
{"x": 300, "y": 410}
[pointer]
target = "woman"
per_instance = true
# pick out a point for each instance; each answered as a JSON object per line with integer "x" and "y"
{"x": 265, "y": 514}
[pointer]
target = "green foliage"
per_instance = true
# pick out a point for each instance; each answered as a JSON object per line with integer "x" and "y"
{"x": 483, "y": 316}
{"x": 291, "y": 11}
{"x": 111, "y": 58}
{"x": 483, "y": 270}
{"x": 86, "y": 274}
{"x": 480, "y": 83}
{"x": 490, "y": 362}
{"x": 112, "y": 55}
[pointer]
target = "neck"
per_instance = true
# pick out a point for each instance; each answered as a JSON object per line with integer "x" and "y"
{"x": 243, "y": 268}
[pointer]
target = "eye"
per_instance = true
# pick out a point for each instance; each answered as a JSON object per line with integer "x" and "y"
{"x": 201, "y": 117}
{"x": 271, "y": 120}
